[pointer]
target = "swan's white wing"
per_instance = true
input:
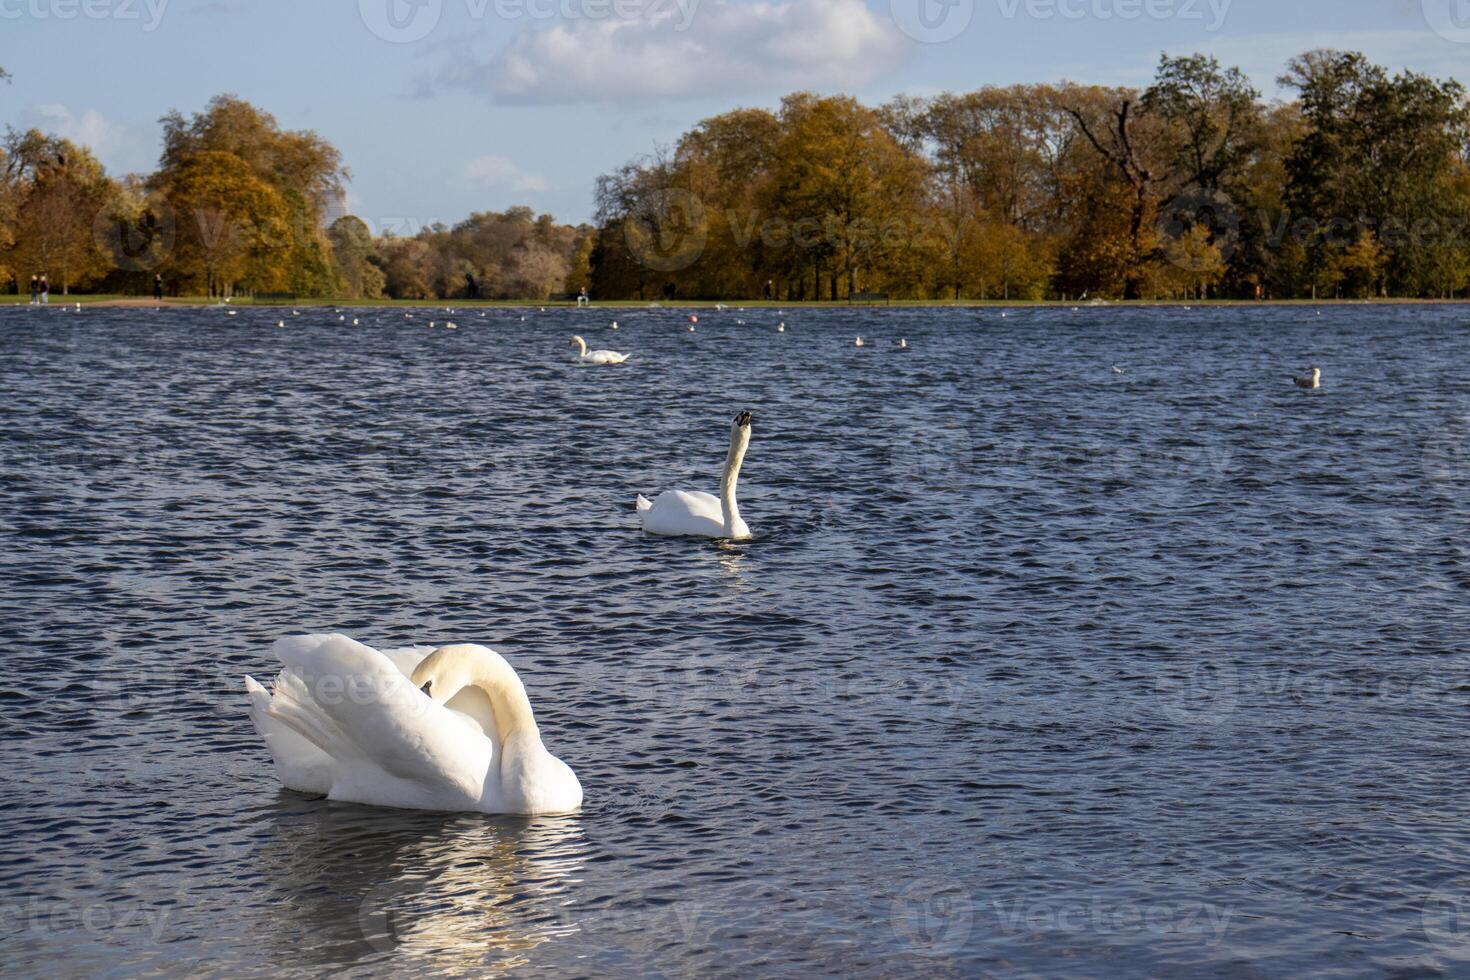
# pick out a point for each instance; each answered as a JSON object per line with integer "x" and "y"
{"x": 605, "y": 357}
{"x": 677, "y": 513}
{"x": 389, "y": 743}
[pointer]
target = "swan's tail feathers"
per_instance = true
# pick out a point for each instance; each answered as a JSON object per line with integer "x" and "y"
{"x": 260, "y": 701}
{"x": 644, "y": 504}
{"x": 301, "y": 763}
{"x": 293, "y": 706}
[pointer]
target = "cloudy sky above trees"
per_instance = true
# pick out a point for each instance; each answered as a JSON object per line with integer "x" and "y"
{"x": 443, "y": 107}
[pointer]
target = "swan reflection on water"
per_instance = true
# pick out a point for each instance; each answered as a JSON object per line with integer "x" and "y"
{"x": 732, "y": 557}
{"x": 465, "y": 891}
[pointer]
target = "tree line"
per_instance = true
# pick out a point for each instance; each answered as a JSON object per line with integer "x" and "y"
{"x": 1191, "y": 187}
{"x": 239, "y": 205}
{"x": 1194, "y": 186}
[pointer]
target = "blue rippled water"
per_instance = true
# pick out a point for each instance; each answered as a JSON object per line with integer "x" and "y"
{"x": 1032, "y": 668}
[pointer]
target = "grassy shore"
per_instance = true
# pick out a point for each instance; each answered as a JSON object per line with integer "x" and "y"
{"x": 143, "y": 302}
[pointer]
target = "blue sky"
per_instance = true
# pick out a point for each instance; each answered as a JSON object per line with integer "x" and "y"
{"x": 443, "y": 107}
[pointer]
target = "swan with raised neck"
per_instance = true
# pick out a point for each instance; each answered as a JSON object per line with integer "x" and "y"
{"x": 681, "y": 513}
{"x": 730, "y": 479}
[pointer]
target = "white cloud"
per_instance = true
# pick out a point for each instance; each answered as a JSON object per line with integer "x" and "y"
{"x": 121, "y": 148}
{"x": 495, "y": 171}
{"x": 722, "y": 49}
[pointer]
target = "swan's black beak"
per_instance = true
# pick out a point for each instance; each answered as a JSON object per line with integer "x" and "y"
{"x": 425, "y": 688}
{"x": 743, "y": 419}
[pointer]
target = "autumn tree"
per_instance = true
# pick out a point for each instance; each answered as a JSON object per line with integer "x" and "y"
{"x": 56, "y": 192}
{"x": 404, "y": 262}
{"x": 250, "y": 199}
{"x": 724, "y": 164}
{"x": 846, "y": 189}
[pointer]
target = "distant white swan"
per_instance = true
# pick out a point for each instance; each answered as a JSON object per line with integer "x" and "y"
{"x": 682, "y": 513}
{"x": 420, "y": 729}
{"x": 597, "y": 356}
{"x": 859, "y": 343}
{"x": 902, "y": 343}
{"x": 1312, "y": 380}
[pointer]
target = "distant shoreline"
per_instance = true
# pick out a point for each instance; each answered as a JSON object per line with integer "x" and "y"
{"x": 141, "y": 302}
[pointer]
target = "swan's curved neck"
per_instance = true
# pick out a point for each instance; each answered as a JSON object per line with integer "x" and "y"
{"x": 739, "y": 442}
{"x": 581, "y": 346}
{"x": 508, "y": 697}
{"x": 492, "y": 675}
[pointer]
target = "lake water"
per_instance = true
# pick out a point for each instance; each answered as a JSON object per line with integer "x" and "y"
{"x": 1031, "y": 668}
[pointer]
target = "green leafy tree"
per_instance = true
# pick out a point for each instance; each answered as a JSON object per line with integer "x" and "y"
{"x": 352, "y": 255}
{"x": 1380, "y": 154}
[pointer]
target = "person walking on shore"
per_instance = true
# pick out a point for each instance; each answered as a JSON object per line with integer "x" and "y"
{"x": 158, "y": 287}
{"x": 35, "y": 290}
{"x": 45, "y": 290}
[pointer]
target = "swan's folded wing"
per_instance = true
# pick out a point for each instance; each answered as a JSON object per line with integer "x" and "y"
{"x": 685, "y": 512}
{"x": 379, "y": 719}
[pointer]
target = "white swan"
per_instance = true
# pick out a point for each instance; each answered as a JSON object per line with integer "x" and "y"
{"x": 1312, "y": 380}
{"x": 597, "y": 356}
{"x": 859, "y": 343}
{"x": 682, "y": 513}
{"x": 421, "y": 729}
